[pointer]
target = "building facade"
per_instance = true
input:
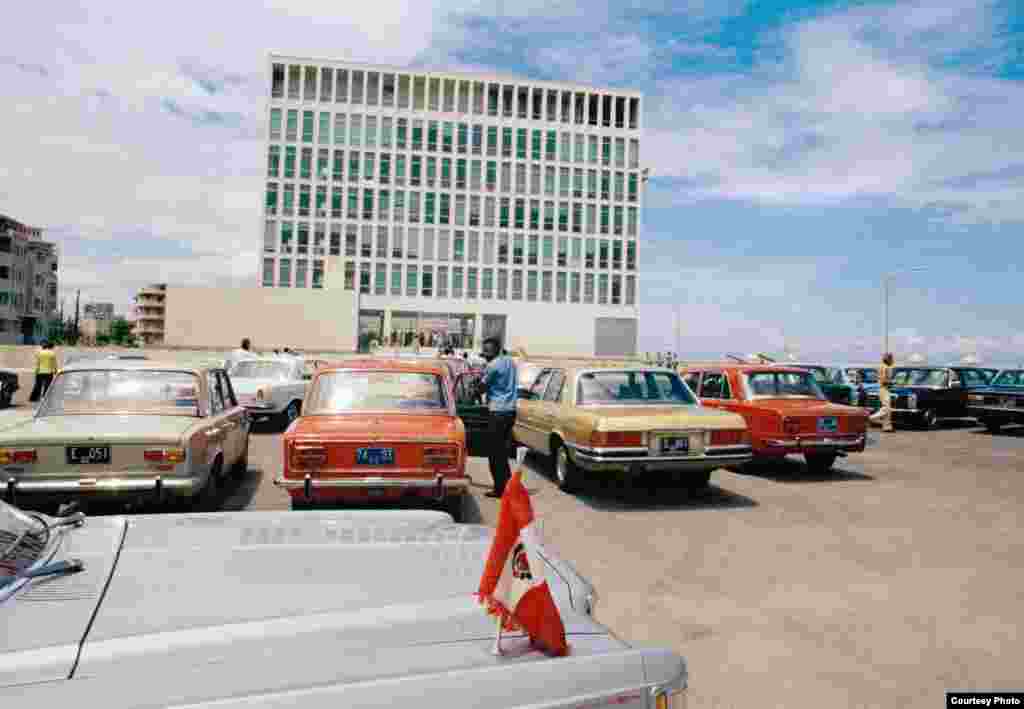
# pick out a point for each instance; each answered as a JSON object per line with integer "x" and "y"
{"x": 99, "y": 311}
{"x": 28, "y": 282}
{"x": 455, "y": 205}
{"x": 149, "y": 314}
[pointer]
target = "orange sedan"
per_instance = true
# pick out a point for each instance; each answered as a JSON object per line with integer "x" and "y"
{"x": 374, "y": 429}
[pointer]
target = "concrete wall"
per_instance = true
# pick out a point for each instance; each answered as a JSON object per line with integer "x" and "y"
{"x": 301, "y": 318}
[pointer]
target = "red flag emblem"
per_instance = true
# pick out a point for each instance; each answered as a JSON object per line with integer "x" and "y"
{"x": 513, "y": 586}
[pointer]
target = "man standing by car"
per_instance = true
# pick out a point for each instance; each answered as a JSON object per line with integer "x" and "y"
{"x": 46, "y": 367}
{"x": 884, "y": 414}
{"x": 500, "y": 382}
{"x": 236, "y": 356}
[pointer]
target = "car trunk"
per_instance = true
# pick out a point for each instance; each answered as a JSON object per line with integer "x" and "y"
{"x": 660, "y": 418}
{"x": 808, "y": 412}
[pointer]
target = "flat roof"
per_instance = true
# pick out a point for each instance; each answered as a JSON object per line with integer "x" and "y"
{"x": 496, "y": 77}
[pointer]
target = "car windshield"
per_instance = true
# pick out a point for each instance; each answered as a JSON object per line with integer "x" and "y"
{"x": 262, "y": 369}
{"x": 634, "y": 387}
{"x": 113, "y": 391}
{"x": 868, "y": 376}
{"x": 1010, "y": 378}
{"x": 22, "y": 541}
{"x": 919, "y": 377}
{"x": 837, "y": 376}
{"x": 783, "y": 384}
{"x": 347, "y": 391}
{"x": 821, "y": 374}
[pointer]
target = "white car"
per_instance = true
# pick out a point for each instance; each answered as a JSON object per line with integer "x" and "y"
{"x": 270, "y": 388}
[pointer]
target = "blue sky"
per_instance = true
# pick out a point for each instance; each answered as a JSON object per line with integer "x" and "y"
{"x": 799, "y": 150}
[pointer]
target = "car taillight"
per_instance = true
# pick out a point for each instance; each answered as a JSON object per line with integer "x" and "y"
{"x": 164, "y": 455}
{"x": 791, "y": 425}
{"x": 23, "y": 456}
{"x": 616, "y": 439}
{"x": 305, "y": 457}
{"x": 729, "y": 438}
{"x": 440, "y": 455}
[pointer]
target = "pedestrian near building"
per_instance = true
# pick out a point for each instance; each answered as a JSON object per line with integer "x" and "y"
{"x": 46, "y": 367}
{"x": 243, "y": 352}
{"x": 884, "y": 414}
{"x": 501, "y": 383}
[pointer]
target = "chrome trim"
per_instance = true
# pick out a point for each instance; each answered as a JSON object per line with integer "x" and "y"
{"x": 712, "y": 451}
{"x": 834, "y": 443}
{"x": 351, "y": 482}
{"x": 112, "y": 485}
{"x": 1000, "y": 409}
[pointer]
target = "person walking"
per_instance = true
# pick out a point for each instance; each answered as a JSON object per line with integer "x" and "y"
{"x": 500, "y": 382}
{"x": 46, "y": 367}
{"x": 884, "y": 414}
{"x": 243, "y": 352}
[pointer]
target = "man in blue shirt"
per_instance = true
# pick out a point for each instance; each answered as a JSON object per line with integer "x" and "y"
{"x": 501, "y": 383}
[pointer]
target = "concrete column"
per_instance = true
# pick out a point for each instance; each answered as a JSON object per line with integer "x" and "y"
{"x": 386, "y": 335}
{"x": 478, "y": 328}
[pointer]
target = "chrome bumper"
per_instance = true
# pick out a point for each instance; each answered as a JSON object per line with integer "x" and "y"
{"x": 712, "y": 458}
{"x": 441, "y": 485}
{"x": 1001, "y": 410}
{"x": 156, "y": 485}
{"x": 819, "y": 444}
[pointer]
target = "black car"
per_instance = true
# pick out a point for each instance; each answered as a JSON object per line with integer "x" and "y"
{"x": 923, "y": 395}
{"x": 1001, "y": 402}
{"x": 8, "y": 385}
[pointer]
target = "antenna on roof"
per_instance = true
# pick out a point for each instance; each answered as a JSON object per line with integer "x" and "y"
{"x": 736, "y": 358}
{"x": 765, "y": 359}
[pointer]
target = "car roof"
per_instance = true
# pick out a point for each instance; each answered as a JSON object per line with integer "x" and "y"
{"x": 428, "y": 365}
{"x": 135, "y": 365}
{"x": 745, "y": 367}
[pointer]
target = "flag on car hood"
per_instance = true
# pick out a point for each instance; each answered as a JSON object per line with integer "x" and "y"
{"x": 513, "y": 586}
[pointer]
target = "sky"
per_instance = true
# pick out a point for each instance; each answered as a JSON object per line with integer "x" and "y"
{"x": 798, "y": 151}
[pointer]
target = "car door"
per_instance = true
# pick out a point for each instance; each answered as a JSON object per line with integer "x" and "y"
{"x": 236, "y": 419}
{"x": 216, "y": 434}
{"x": 470, "y": 407}
{"x": 528, "y": 412}
{"x": 547, "y": 409}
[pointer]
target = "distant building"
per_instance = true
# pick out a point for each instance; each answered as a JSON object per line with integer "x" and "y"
{"x": 150, "y": 304}
{"x": 99, "y": 311}
{"x": 28, "y": 282}
{"x": 91, "y": 328}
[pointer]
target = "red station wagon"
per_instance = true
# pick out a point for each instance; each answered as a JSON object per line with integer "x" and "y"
{"x": 375, "y": 429}
{"x": 785, "y": 410}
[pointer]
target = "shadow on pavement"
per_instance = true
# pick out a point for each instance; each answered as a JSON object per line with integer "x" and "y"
{"x": 237, "y": 494}
{"x": 622, "y": 496}
{"x": 794, "y": 471}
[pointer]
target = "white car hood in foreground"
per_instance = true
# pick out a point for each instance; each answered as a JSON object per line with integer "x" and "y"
{"x": 304, "y": 609}
{"x": 248, "y": 386}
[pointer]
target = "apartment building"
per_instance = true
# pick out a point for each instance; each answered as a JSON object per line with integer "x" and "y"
{"x": 456, "y": 205}
{"x": 28, "y": 282}
{"x": 149, "y": 313}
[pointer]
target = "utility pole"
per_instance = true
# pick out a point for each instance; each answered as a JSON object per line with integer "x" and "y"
{"x": 78, "y": 297}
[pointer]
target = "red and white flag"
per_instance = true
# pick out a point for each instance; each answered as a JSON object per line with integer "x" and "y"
{"x": 513, "y": 586}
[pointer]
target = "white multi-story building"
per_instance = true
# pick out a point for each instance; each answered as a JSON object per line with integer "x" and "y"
{"x": 456, "y": 205}
{"x": 28, "y": 282}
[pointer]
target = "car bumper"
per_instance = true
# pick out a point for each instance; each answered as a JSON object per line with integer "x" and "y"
{"x": 1000, "y": 412}
{"x": 310, "y": 488}
{"x": 144, "y": 485}
{"x": 823, "y": 444}
{"x": 710, "y": 459}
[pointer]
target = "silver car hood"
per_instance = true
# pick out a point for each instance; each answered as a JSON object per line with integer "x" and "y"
{"x": 250, "y": 385}
{"x": 205, "y": 607}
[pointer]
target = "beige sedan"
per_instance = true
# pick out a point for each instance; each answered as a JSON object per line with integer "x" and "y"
{"x": 127, "y": 430}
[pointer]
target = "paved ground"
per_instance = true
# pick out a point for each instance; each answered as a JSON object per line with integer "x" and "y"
{"x": 884, "y": 584}
{"x": 898, "y": 577}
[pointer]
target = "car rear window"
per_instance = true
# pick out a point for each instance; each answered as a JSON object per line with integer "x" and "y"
{"x": 347, "y": 391}
{"x": 632, "y": 388}
{"x": 783, "y": 384}
{"x": 109, "y": 391}
{"x": 1010, "y": 378}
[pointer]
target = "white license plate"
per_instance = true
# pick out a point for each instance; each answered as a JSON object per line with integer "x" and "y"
{"x": 674, "y": 445}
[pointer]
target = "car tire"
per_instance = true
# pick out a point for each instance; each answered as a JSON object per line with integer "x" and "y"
{"x": 241, "y": 466}
{"x": 928, "y": 419}
{"x": 291, "y": 412}
{"x": 820, "y": 463}
{"x": 206, "y": 500}
{"x": 697, "y": 482}
{"x": 992, "y": 425}
{"x": 567, "y": 474}
{"x": 455, "y": 505}
{"x": 298, "y": 504}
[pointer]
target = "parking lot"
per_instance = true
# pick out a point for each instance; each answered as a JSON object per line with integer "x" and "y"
{"x": 885, "y": 583}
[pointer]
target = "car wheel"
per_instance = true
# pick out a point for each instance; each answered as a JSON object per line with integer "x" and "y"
{"x": 929, "y": 419}
{"x": 299, "y": 504}
{"x": 241, "y": 466}
{"x": 697, "y": 482}
{"x": 820, "y": 463}
{"x": 992, "y": 425}
{"x": 455, "y": 506}
{"x": 567, "y": 473}
{"x": 206, "y": 500}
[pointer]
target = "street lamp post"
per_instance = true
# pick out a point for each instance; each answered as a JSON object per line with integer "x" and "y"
{"x": 885, "y": 298}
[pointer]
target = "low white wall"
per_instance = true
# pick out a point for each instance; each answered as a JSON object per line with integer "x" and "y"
{"x": 301, "y": 318}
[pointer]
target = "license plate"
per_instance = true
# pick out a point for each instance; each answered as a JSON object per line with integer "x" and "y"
{"x": 85, "y": 455}
{"x": 375, "y": 456}
{"x": 675, "y": 444}
{"x": 828, "y": 424}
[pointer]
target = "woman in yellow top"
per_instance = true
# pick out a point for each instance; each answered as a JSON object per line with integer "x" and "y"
{"x": 46, "y": 367}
